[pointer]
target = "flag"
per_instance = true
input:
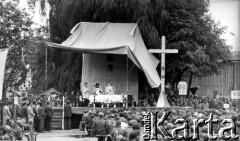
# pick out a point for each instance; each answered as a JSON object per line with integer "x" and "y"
{"x": 3, "y": 56}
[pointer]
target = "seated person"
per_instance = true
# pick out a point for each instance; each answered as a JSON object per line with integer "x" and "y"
{"x": 97, "y": 89}
{"x": 109, "y": 89}
{"x": 99, "y": 127}
{"x": 117, "y": 131}
{"x": 4, "y": 133}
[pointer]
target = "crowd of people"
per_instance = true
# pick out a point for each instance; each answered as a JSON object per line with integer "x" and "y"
{"x": 126, "y": 124}
{"x": 27, "y": 116}
{"x": 115, "y": 123}
{"x": 31, "y": 115}
{"x": 204, "y": 103}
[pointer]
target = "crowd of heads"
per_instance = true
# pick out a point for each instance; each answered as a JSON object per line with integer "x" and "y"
{"x": 18, "y": 130}
{"x": 204, "y": 103}
{"x": 127, "y": 124}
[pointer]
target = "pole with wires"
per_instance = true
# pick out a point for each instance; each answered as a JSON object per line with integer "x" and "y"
{"x": 127, "y": 85}
{"x": 46, "y": 59}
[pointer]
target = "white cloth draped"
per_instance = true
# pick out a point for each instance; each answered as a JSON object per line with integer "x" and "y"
{"x": 113, "y": 38}
{"x": 3, "y": 56}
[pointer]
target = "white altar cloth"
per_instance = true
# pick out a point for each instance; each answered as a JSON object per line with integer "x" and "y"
{"x": 113, "y": 98}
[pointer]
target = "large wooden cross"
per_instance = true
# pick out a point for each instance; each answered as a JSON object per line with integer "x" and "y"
{"x": 163, "y": 51}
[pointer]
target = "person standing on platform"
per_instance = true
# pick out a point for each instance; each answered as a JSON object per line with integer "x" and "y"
{"x": 78, "y": 98}
{"x": 41, "y": 117}
{"x": 182, "y": 89}
{"x": 85, "y": 93}
{"x": 97, "y": 89}
{"x": 72, "y": 98}
{"x": 110, "y": 89}
{"x": 48, "y": 118}
{"x": 67, "y": 116}
{"x": 31, "y": 115}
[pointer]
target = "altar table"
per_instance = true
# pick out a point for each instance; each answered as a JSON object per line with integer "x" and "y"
{"x": 112, "y": 98}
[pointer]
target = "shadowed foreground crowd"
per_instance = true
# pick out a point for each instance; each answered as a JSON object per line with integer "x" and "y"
{"x": 30, "y": 118}
{"x": 126, "y": 124}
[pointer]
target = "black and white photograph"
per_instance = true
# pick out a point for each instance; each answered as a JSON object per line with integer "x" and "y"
{"x": 119, "y": 70}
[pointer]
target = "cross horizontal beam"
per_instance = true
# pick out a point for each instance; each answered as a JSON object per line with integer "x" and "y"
{"x": 163, "y": 51}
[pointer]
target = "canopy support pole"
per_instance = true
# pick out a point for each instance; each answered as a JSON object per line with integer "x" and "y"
{"x": 46, "y": 63}
{"x": 127, "y": 84}
{"x": 46, "y": 58}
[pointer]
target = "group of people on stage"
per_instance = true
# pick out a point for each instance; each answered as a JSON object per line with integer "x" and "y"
{"x": 97, "y": 89}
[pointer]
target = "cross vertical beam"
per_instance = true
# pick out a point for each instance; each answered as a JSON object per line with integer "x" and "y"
{"x": 163, "y": 65}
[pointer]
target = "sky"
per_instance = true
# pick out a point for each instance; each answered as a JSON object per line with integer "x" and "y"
{"x": 227, "y": 12}
{"x": 37, "y": 18}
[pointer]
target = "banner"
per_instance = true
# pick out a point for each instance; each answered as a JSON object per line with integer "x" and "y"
{"x": 235, "y": 94}
{"x": 3, "y": 56}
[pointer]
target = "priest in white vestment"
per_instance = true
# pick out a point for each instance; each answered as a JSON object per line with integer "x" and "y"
{"x": 109, "y": 89}
{"x": 97, "y": 89}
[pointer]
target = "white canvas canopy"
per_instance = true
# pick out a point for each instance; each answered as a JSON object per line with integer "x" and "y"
{"x": 113, "y": 38}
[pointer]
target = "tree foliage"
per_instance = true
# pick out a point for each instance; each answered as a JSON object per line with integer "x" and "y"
{"x": 15, "y": 32}
{"x": 192, "y": 31}
{"x": 185, "y": 23}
